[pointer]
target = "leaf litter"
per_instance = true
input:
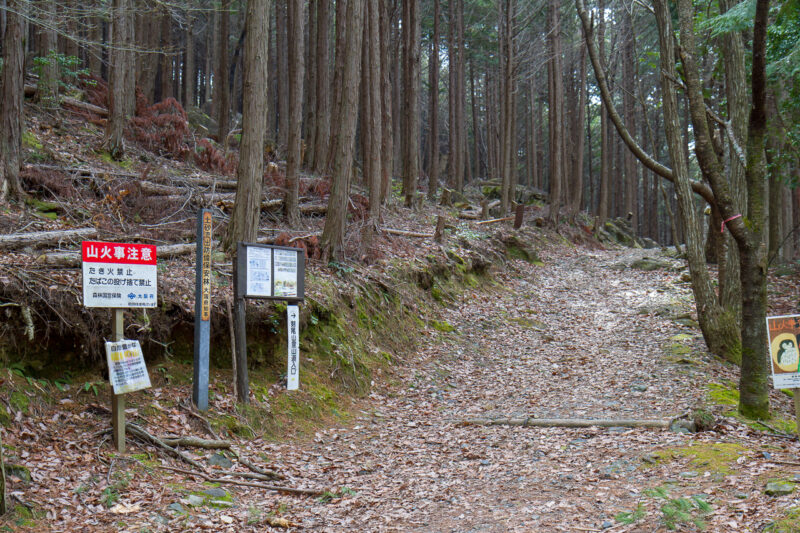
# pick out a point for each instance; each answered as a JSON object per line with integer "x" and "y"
{"x": 576, "y": 338}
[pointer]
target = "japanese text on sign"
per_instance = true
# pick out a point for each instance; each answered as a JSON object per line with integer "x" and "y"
{"x": 783, "y": 334}
{"x": 259, "y": 271}
{"x": 119, "y": 274}
{"x": 286, "y": 273}
{"x": 126, "y": 368}
{"x": 205, "y": 301}
{"x": 293, "y": 373}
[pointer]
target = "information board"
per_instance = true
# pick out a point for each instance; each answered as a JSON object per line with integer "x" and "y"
{"x": 119, "y": 274}
{"x": 783, "y": 336}
{"x": 126, "y": 367}
{"x": 274, "y": 272}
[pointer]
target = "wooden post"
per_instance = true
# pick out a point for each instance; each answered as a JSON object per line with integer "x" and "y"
{"x": 438, "y": 235}
{"x": 797, "y": 408}
{"x": 118, "y": 400}
{"x": 202, "y": 311}
{"x": 519, "y": 214}
{"x": 484, "y": 209}
{"x": 240, "y": 330}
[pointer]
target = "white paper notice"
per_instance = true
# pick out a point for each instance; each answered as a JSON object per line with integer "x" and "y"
{"x": 293, "y": 370}
{"x": 286, "y": 273}
{"x": 259, "y": 271}
{"x": 126, "y": 367}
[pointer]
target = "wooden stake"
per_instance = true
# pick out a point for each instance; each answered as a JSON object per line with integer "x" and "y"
{"x": 118, "y": 400}
{"x": 519, "y": 216}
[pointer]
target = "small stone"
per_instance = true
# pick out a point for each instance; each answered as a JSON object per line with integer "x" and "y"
{"x": 225, "y": 519}
{"x": 779, "y": 488}
{"x": 194, "y": 500}
{"x": 221, "y": 503}
{"x": 607, "y": 524}
{"x": 485, "y": 462}
{"x": 688, "y": 475}
{"x": 640, "y": 388}
{"x": 741, "y": 495}
{"x": 766, "y": 455}
{"x": 220, "y": 460}
{"x": 178, "y": 508}
{"x": 215, "y": 492}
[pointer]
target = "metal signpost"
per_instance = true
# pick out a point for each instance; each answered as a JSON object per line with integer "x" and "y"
{"x": 783, "y": 338}
{"x": 202, "y": 310}
{"x": 119, "y": 276}
{"x": 276, "y": 273}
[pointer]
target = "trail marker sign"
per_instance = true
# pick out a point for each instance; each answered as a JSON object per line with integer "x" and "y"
{"x": 119, "y": 274}
{"x": 783, "y": 340}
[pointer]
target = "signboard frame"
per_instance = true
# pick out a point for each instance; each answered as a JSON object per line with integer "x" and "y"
{"x": 242, "y": 268}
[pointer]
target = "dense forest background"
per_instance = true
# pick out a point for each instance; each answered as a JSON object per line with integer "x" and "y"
{"x": 466, "y": 90}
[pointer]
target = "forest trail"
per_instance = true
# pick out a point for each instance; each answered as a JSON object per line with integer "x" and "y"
{"x": 577, "y": 338}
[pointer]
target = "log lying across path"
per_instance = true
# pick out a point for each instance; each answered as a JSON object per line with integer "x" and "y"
{"x": 39, "y": 238}
{"x": 567, "y": 422}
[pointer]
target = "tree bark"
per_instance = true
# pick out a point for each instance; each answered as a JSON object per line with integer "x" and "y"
{"x": 296, "y": 69}
{"x": 323, "y": 100}
{"x": 433, "y": 109}
{"x": 250, "y": 172}
{"x": 222, "y": 96}
{"x": 332, "y": 241}
{"x": 114, "y": 141}
{"x": 556, "y": 113}
{"x": 629, "y": 112}
{"x": 373, "y": 120}
{"x": 190, "y": 76}
{"x": 411, "y": 67}
{"x": 11, "y": 105}
{"x": 387, "y": 128}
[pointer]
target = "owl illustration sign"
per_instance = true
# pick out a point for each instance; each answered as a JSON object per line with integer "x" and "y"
{"x": 784, "y": 350}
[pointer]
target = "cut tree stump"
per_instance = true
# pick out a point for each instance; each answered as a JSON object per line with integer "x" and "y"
{"x": 567, "y": 422}
{"x": 41, "y": 238}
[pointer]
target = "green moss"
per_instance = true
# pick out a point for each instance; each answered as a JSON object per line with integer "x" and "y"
{"x": 5, "y": 418}
{"x": 680, "y": 337}
{"x": 30, "y": 140}
{"x": 720, "y": 394}
{"x": 714, "y": 457}
{"x": 19, "y": 401}
{"x": 442, "y": 326}
{"x": 124, "y": 163}
{"x": 677, "y": 348}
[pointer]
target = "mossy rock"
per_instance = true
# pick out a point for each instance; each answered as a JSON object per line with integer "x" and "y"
{"x": 779, "y": 488}
{"x": 442, "y": 326}
{"x": 677, "y": 349}
{"x": 649, "y": 264}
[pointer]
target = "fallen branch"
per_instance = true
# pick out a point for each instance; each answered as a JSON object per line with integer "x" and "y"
{"x": 99, "y": 111}
{"x": 38, "y": 238}
{"x": 404, "y": 233}
{"x": 196, "y": 442}
{"x": 493, "y": 220}
{"x": 136, "y": 431}
{"x": 290, "y": 490}
{"x": 566, "y": 422}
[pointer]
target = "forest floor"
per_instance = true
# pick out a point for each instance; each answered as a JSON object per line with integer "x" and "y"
{"x": 582, "y": 336}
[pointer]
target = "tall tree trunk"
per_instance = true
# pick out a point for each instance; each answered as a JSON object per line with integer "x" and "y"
{"x": 332, "y": 240}
{"x": 114, "y": 141}
{"x": 578, "y": 114}
{"x": 605, "y": 145}
{"x": 296, "y": 70}
{"x": 312, "y": 71}
{"x": 373, "y": 120}
{"x": 338, "y": 73}
{"x": 222, "y": 95}
{"x": 556, "y": 113}
{"x": 411, "y": 68}
{"x": 387, "y": 128}
{"x": 323, "y": 100}
{"x": 475, "y": 125}
{"x": 11, "y": 105}
{"x": 629, "y": 112}
{"x": 190, "y": 78}
{"x": 433, "y": 109}
{"x": 247, "y": 205}
{"x": 49, "y": 77}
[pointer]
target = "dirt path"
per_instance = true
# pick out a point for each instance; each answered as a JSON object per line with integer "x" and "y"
{"x": 578, "y": 337}
{"x": 575, "y": 338}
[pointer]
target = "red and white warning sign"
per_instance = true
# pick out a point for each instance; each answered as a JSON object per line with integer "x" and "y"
{"x": 119, "y": 274}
